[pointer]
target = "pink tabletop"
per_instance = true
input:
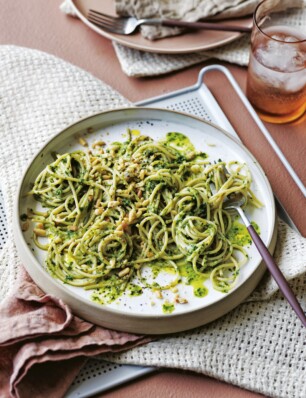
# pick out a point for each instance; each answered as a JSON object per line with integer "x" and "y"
{"x": 41, "y": 25}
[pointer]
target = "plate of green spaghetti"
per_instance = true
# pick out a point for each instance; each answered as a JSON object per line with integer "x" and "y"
{"x": 121, "y": 215}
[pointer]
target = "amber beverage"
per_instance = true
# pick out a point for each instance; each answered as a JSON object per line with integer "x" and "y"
{"x": 276, "y": 84}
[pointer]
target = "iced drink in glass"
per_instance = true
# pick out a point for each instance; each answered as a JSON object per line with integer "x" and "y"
{"x": 276, "y": 84}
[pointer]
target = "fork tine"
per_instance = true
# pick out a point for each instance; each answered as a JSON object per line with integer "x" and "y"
{"x": 98, "y": 14}
{"x": 118, "y": 25}
{"x": 107, "y": 26}
{"x": 106, "y": 20}
{"x": 105, "y": 23}
{"x": 101, "y": 21}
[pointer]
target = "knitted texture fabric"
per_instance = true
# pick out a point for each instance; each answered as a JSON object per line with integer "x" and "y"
{"x": 40, "y": 95}
{"x": 259, "y": 345}
{"x": 141, "y": 63}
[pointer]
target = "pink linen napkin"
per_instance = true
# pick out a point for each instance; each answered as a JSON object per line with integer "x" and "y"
{"x": 43, "y": 345}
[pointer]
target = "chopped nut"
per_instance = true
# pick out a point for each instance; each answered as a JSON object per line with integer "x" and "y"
{"x": 124, "y": 272}
{"x": 142, "y": 174}
{"x": 98, "y": 144}
{"x": 180, "y": 300}
{"x": 106, "y": 177}
{"x": 113, "y": 203}
{"x": 174, "y": 289}
{"x": 25, "y": 226}
{"x": 150, "y": 254}
{"x": 95, "y": 162}
{"x": 158, "y": 294}
{"x": 40, "y": 232}
{"x": 195, "y": 168}
{"x": 98, "y": 211}
{"x": 40, "y": 226}
{"x": 90, "y": 198}
{"x": 139, "y": 193}
{"x": 124, "y": 225}
{"x": 73, "y": 228}
{"x": 132, "y": 215}
{"x": 82, "y": 141}
{"x": 190, "y": 155}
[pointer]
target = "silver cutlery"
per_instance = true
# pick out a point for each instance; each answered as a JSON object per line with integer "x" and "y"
{"x": 235, "y": 202}
{"x": 128, "y": 25}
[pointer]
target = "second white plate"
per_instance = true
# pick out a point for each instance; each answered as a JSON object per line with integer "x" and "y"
{"x": 199, "y": 40}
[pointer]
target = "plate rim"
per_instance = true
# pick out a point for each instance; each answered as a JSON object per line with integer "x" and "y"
{"x": 19, "y": 236}
{"x": 151, "y": 49}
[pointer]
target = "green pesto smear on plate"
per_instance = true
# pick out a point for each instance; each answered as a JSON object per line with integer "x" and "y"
{"x": 168, "y": 308}
{"x": 134, "y": 290}
{"x": 157, "y": 269}
{"x": 194, "y": 279}
{"x": 109, "y": 292}
{"x": 239, "y": 235}
{"x": 180, "y": 142}
{"x": 183, "y": 144}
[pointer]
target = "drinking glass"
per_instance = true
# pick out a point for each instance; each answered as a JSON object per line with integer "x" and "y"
{"x": 276, "y": 82}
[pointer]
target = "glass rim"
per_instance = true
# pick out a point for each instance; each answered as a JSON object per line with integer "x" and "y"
{"x": 256, "y": 24}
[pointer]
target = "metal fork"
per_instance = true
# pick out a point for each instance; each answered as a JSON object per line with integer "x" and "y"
{"x": 236, "y": 201}
{"x": 127, "y": 25}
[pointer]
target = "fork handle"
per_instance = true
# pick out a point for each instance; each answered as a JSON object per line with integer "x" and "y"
{"x": 277, "y": 275}
{"x": 204, "y": 25}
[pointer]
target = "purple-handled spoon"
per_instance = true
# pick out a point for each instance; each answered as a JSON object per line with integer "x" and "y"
{"x": 234, "y": 202}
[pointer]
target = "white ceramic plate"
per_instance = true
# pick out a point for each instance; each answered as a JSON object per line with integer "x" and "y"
{"x": 136, "y": 314}
{"x": 199, "y": 40}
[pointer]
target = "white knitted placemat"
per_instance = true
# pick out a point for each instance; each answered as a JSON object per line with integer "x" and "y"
{"x": 137, "y": 63}
{"x": 259, "y": 345}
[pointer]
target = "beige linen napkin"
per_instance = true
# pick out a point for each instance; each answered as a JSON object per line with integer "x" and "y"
{"x": 258, "y": 346}
{"x": 137, "y": 63}
{"x": 190, "y": 10}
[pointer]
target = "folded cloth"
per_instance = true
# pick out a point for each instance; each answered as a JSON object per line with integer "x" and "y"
{"x": 41, "y": 95}
{"x": 190, "y": 10}
{"x": 41, "y": 340}
{"x": 137, "y": 63}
